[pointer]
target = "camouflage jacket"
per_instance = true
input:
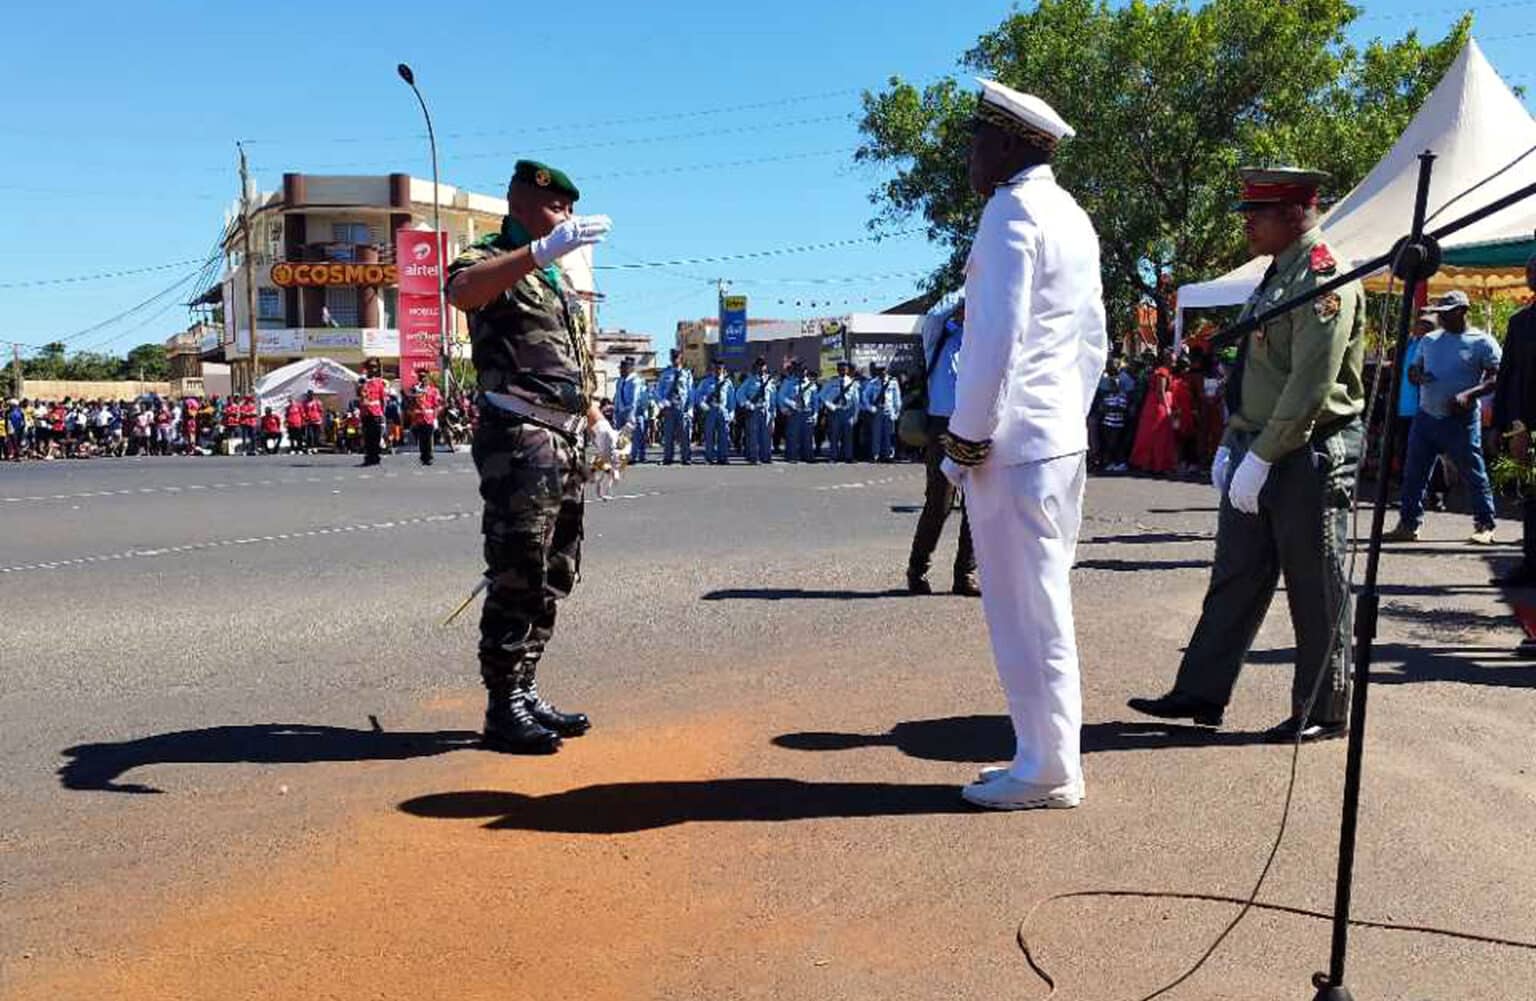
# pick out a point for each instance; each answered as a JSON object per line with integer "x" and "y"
{"x": 532, "y": 340}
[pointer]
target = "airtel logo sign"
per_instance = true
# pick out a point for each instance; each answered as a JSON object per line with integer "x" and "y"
{"x": 421, "y": 251}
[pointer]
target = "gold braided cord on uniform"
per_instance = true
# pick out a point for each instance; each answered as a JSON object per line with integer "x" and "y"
{"x": 963, "y": 451}
{"x": 993, "y": 115}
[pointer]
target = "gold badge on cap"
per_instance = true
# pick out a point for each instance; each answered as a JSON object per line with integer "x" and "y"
{"x": 541, "y": 178}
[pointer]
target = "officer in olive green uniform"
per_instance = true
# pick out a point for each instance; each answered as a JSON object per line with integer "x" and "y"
{"x": 537, "y": 384}
{"x": 1286, "y": 471}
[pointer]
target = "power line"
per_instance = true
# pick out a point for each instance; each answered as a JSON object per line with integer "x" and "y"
{"x": 1454, "y": 9}
{"x": 570, "y": 124}
{"x": 535, "y": 150}
{"x": 755, "y": 254}
{"x": 101, "y": 275}
{"x": 720, "y": 165}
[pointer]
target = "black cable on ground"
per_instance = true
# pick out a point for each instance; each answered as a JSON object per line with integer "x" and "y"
{"x": 1247, "y": 905}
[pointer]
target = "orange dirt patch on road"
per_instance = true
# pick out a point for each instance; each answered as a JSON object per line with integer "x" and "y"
{"x": 458, "y": 903}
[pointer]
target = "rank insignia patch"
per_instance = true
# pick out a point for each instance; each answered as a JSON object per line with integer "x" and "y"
{"x": 1326, "y": 307}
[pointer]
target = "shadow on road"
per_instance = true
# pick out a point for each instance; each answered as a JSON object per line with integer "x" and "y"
{"x": 1412, "y": 663}
{"x": 1130, "y": 566}
{"x": 627, "y": 807}
{"x": 1149, "y": 538}
{"x": 99, "y": 766}
{"x": 990, "y": 738}
{"x": 799, "y": 594}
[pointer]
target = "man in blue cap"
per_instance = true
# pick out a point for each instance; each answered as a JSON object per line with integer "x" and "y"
{"x": 674, "y": 394}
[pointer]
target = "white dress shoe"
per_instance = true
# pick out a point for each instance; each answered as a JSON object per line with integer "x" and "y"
{"x": 1007, "y": 793}
{"x": 993, "y": 772}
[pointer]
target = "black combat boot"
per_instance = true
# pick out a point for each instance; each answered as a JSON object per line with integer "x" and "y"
{"x": 564, "y": 724}
{"x": 511, "y": 728}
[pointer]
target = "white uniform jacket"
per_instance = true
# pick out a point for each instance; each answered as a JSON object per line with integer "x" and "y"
{"x": 1035, "y": 342}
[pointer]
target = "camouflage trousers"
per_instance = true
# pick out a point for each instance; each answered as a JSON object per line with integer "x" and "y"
{"x": 531, "y": 482}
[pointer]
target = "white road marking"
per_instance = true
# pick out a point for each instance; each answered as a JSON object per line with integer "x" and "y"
{"x": 194, "y": 547}
{"x": 181, "y": 488}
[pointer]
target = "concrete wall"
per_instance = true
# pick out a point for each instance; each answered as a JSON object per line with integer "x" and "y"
{"x": 58, "y": 389}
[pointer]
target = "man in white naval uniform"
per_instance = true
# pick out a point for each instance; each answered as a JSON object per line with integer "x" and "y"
{"x": 1017, "y": 444}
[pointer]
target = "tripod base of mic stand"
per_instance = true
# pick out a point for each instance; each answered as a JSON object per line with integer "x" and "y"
{"x": 1327, "y": 991}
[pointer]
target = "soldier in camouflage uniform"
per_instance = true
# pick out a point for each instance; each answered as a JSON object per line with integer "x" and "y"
{"x": 533, "y": 360}
{"x": 1286, "y": 474}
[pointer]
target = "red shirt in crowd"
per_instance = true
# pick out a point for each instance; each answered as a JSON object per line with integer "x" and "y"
{"x": 314, "y": 412}
{"x": 249, "y": 415}
{"x": 271, "y": 424}
{"x": 295, "y": 414}
{"x": 372, "y": 394}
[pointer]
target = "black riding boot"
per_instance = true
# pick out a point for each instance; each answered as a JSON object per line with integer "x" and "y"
{"x": 565, "y": 724}
{"x": 510, "y": 726}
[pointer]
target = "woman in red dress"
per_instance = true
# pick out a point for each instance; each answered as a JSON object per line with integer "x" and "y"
{"x": 1156, "y": 448}
{"x": 1186, "y": 422}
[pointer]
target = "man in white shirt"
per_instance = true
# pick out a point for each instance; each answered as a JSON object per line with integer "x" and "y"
{"x": 1017, "y": 443}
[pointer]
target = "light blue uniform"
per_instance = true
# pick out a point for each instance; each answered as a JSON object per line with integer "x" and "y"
{"x": 631, "y": 406}
{"x": 840, "y": 400}
{"x": 882, "y": 404}
{"x": 716, "y": 396}
{"x": 758, "y": 396}
{"x": 797, "y": 402}
{"x": 674, "y": 394}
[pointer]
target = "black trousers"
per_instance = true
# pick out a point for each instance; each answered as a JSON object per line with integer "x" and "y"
{"x": 373, "y": 433}
{"x": 938, "y": 500}
{"x": 424, "y": 442}
{"x": 1302, "y": 533}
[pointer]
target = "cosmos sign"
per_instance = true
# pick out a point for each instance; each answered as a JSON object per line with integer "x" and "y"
{"x": 287, "y": 275}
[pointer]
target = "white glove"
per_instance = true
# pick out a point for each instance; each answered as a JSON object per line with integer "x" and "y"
{"x": 1243, "y": 492}
{"x": 604, "y": 439}
{"x": 1221, "y": 469}
{"x": 577, "y": 231}
{"x": 954, "y": 473}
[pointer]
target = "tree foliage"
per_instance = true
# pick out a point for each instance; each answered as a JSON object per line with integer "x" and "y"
{"x": 147, "y": 361}
{"x": 1168, "y": 102}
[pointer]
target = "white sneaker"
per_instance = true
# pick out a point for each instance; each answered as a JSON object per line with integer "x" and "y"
{"x": 1482, "y": 537}
{"x": 992, "y": 772}
{"x": 1007, "y": 793}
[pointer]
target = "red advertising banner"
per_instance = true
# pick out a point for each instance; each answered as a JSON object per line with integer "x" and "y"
{"x": 419, "y": 261}
{"x": 420, "y": 343}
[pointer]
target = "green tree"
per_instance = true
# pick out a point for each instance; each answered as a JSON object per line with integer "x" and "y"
{"x": 1167, "y": 102}
{"x": 148, "y": 359}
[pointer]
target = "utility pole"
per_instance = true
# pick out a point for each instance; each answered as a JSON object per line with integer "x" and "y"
{"x": 248, "y": 265}
{"x": 19, "y": 388}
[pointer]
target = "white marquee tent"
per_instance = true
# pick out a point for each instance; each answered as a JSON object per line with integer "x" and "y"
{"x": 1476, "y": 127}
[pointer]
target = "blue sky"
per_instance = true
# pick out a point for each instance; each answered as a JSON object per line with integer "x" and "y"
{"x": 117, "y": 143}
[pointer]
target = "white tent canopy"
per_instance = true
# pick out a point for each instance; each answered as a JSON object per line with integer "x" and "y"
{"x": 331, "y": 381}
{"x": 1476, "y": 127}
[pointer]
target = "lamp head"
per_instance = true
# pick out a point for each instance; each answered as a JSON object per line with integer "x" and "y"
{"x": 406, "y": 74}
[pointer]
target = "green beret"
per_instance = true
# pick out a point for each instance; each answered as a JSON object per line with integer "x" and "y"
{"x": 542, "y": 175}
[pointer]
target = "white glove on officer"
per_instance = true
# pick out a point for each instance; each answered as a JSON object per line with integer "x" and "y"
{"x": 1221, "y": 469}
{"x": 1243, "y": 492}
{"x": 577, "y": 231}
{"x": 604, "y": 440}
{"x": 954, "y": 473}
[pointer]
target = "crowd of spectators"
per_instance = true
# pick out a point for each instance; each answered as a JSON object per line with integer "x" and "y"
{"x": 45, "y": 430}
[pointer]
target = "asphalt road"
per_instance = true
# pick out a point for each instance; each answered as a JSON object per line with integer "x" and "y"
{"x": 237, "y": 754}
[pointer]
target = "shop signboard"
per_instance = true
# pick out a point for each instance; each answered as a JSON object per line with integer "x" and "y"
{"x": 419, "y": 259}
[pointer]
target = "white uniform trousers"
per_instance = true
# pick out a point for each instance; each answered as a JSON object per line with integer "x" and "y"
{"x": 1025, "y": 520}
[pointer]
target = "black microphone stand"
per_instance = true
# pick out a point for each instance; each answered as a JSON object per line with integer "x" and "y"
{"x": 1414, "y": 259}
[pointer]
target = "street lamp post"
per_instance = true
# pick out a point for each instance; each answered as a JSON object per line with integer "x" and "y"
{"x": 437, "y": 235}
